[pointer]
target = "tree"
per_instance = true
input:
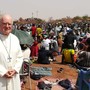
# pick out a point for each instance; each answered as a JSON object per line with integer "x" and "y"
{"x": 85, "y": 17}
{"x": 77, "y": 19}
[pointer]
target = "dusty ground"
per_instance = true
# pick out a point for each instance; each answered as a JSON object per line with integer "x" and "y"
{"x": 68, "y": 72}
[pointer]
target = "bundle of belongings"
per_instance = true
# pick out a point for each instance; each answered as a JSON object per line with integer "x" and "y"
{"x": 65, "y": 84}
{"x": 42, "y": 86}
{"x": 48, "y": 85}
{"x": 38, "y": 72}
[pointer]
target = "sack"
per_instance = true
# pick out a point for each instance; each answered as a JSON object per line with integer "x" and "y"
{"x": 35, "y": 76}
{"x": 42, "y": 86}
{"x": 65, "y": 83}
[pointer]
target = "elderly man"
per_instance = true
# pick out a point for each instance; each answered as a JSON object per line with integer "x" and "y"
{"x": 10, "y": 56}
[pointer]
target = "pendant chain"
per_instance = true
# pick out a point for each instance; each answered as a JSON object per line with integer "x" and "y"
{"x": 8, "y": 52}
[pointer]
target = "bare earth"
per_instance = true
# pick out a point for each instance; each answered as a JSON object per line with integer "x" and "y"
{"x": 67, "y": 73}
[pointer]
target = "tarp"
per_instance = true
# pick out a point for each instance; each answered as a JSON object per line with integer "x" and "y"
{"x": 23, "y": 37}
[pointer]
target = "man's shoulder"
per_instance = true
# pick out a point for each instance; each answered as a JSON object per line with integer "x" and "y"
{"x": 14, "y": 36}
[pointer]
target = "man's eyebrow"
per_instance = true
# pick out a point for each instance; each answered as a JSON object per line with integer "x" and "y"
{"x": 7, "y": 23}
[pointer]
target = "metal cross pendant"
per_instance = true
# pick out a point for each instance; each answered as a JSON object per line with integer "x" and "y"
{"x": 9, "y": 58}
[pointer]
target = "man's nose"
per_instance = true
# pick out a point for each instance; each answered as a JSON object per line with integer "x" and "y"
{"x": 6, "y": 24}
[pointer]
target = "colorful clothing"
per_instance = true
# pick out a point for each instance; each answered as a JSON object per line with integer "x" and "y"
{"x": 67, "y": 53}
{"x": 33, "y": 29}
{"x": 34, "y": 50}
{"x": 39, "y": 31}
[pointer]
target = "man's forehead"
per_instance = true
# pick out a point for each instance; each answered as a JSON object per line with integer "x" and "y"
{"x": 6, "y": 20}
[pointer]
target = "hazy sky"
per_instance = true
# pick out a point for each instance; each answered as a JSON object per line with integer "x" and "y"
{"x": 45, "y": 9}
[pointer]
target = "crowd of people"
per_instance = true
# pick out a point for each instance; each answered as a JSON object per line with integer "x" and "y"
{"x": 58, "y": 36}
{"x": 72, "y": 41}
{"x": 50, "y": 40}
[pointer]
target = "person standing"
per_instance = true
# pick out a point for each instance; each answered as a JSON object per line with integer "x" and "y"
{"x": 33, "y": 30}
{"x": 69, "y": 39}
{"x": 11, "y": 57}
{"x": 34, "y": 50}
{"x": 39, "y": 33}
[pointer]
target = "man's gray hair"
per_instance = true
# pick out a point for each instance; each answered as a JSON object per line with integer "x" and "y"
{"x": 4, "y": 15}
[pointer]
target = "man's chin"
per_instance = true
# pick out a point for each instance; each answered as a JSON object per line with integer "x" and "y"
{"x": 7, "y": 33}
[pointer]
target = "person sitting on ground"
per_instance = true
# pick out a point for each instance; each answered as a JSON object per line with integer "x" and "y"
{"x": 68, "y": 54}
{"x": 55, "y": 43}
{"x": 26, "y": 58}
{"x": 81, "y": 48}
{"x": 43, "y": 56}
{"x": 53, "y": 47}
{"x": 26, "y": 51}
{"x": 83, "y": 60}
{"x": 46, "y": 42}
